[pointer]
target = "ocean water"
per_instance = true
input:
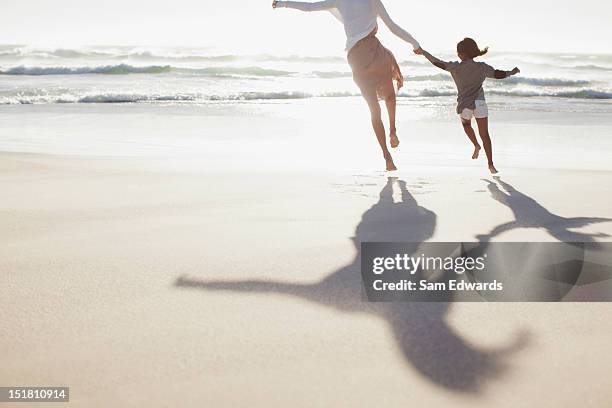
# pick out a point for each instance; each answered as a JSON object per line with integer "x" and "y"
{"x": 30, "y": 75}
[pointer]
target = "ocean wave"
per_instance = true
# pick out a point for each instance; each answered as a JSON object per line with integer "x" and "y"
{"x": 253, "y": 71}
{"x": 121, "y": 69}
{"x": 157, "y": 54}
{"x": 298, "y": 58}
{"x": 332, "y": 74}
{"x": 592, "y": 67}
{"x": 559, "y": 82}
{"x": 125, "y": 69}
{"x": 110, "y": 98}
{"x": 409, "y": 63}
{"x": 33, "y": 98}
{"x": 180, "y": 54}
{"x": 131, "y": 98}
{"x": 578, "y": 94}
{"x": 68, "y": 53}
{"x": 253, "y": 96}
{"x": 42, "y": 99}
{"x": 67, "y": 96}
{"x": 433, "y": 77}
{"x": 537, "y": 82}
{"x": 434, "y": 93}
{"x": 44, "y": 53}
{"x": 174, "y": 57}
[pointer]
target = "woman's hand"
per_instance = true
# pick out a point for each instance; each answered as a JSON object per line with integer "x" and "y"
{"x": 418, "y": 51}
{"x": 274, "y": 4}
{"x": 516, "y": 71}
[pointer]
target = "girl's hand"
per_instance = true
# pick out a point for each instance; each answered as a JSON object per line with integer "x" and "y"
{"x": 516, "y": 71}
{"x": 418, "y": 51}
{"x": 274, "y": 4}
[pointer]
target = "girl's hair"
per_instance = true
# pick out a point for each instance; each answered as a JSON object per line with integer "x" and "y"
{"x": 469, "y": 48}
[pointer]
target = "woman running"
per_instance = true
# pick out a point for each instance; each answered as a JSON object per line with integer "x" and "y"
{"x": 374, "y": 67}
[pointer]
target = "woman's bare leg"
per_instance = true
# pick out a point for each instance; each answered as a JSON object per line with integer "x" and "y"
{"x": 379, "y": 129}
{"x": 469, "y": 131}
{"x": 391, "y": 103}
{"x": 483, "y": 130}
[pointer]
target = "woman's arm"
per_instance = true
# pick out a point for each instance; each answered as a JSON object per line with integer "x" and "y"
{"x": 395, "y": 29}
{"x": 303, "y": 6}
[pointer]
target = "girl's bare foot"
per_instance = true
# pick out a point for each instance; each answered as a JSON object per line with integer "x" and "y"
{"x": 492, "y": 169}
{"x": 476, "y": 152}
{"x": 393, "y": 139}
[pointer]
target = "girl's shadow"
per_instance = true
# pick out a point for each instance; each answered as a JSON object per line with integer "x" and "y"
{"x": 528, "y": 213}
{"x": 421, "y": 331}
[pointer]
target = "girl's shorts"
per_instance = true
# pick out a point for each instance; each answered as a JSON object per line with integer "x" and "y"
{"x": 481, "y": 111}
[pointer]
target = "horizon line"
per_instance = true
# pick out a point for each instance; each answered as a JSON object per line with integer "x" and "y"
{"x": 260, "y": 52}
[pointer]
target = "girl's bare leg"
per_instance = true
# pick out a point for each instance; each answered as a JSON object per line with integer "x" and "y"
{"x": 379, "y": 129}
{"x": 469, "y": 131}
{"x": 483, "y": 130}
{"x": 391, "y": 103}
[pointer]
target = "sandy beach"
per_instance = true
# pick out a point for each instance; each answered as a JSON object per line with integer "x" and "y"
{"x": 205, "y": 256}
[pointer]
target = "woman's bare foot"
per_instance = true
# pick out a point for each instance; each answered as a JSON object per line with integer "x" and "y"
{"x": 390, "y": 164}
{"x": 393, "y": 139}
{"x": 476, "y": 152}
{"x": 492, "y": 169}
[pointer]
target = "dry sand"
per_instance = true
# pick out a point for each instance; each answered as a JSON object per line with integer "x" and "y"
{"x": 100, "y": 259}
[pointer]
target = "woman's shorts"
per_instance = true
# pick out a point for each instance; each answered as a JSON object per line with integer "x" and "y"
{"x": 375, "y": 69}
{"x": 481, "y": 111}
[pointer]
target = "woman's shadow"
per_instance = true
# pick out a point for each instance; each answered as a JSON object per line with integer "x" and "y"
{"x": 528, "y": 213}
{"x": 421, "y": 331}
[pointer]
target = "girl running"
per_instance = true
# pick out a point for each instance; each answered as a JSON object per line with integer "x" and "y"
{"x": 469, "y": 76}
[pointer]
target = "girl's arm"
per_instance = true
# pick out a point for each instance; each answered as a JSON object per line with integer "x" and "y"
{"x": 436, "y": 61}
{"x": 303, "y": 6}
{"x": 395, "y": 29}
{"x": 498, "y": 74}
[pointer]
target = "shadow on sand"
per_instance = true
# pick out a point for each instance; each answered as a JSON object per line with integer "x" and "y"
{"x": 428, "y": 343}
{"x": 528, "y": 213}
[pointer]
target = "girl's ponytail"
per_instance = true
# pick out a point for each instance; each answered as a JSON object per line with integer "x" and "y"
{"x": 483, "y": 51}
{"x": 468, "y": 48}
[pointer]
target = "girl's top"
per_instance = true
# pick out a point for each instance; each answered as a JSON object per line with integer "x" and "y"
{"x": 469, "y": 76}
{"x": 358, "y": 16}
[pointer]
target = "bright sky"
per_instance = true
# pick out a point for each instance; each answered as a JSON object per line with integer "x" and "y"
{"x": 251, "y": 25}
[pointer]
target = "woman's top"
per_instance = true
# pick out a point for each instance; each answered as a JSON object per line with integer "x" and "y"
{"x": 358, "y": 16}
